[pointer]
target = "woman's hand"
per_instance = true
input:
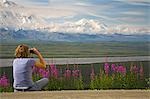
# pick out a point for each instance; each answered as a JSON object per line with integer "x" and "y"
{"x": 35, "y": 51}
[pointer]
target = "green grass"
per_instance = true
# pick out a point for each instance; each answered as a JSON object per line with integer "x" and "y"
{"x": 78, "y": 49}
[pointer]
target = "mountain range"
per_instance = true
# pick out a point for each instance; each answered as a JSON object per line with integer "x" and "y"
{"x": 19, "y": 23}
{"x": 33, "y": 35}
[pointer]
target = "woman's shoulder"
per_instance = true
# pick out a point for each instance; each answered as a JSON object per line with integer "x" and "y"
{"x": 24, "y": 59}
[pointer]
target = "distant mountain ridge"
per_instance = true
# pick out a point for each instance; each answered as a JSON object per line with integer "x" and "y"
{"x": 33, "y": 35}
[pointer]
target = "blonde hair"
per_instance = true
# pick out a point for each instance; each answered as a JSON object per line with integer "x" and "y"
{"x": 22, "y": 51}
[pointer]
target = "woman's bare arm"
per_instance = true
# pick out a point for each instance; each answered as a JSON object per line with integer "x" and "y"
{"x": 41, "y": 62}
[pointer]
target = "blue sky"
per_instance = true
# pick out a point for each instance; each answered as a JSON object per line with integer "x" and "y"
{"x": 128, "y": 12}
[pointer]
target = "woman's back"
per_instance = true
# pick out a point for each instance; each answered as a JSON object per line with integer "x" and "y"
{"x": 22, "y": 72}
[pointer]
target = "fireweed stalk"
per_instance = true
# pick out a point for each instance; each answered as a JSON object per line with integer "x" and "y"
{"x": 106, "y": 68}
{"x": 134, "y": 69}
{"x": 54, "y": 71}
{"x": 67, "y": 73}
{"x": 4, "y": 82}
{"x": 92, "y": 75}
{"x": 75, "y": 72}
{"x": 5, "y": 85}
{"x": 141, "y": 72}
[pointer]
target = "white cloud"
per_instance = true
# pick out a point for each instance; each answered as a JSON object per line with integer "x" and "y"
{"x": 137, "y": 13}
{"x": 136, "y": 2}
{"x": 133, "y": 20}
{"x": 139, "y": 1}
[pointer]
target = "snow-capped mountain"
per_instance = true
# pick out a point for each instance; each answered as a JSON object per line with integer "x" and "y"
{"x": 5, "y": 3}
{"x": 29, "y": 23}
{"x": 82, "y": 26}
{"x": 16, "y": 17}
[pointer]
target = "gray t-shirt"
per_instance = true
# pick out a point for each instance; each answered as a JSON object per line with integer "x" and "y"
{"x": 22, "y": 72}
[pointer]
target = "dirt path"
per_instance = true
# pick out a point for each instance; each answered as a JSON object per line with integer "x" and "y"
{"x": 85, "y": 94}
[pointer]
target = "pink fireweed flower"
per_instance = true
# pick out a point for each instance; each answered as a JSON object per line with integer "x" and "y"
{"x": 141, "y": 72}
{"x": 134, "y": 69}
{"x": 53, "y": 70}
{"x": 44, "y": 73}
{"x": 124, "y": 70}
{"x": 113, "y": 67}
{"x": 52, "y": 67}
{"x": 121, "y": 69}
{"x": 40, "y": 71}
{"x": 106, "y": 68}
{"x": 92, "y": 75}
{"x": 67, "y": 74}
{"x": 4, "y": 82}
{"x": 55, "y": 73}
{"x": 75, "y": 73}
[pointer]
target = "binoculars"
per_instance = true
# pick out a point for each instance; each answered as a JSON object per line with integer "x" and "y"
{"x": 31, "y": 51}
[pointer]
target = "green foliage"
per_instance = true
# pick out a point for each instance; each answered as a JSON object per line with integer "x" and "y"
{"x": 54, "y": 84}
{"x": 105, "y": 82}
{"x": 6, "y": 89}
{"x": 65, "y": 84}
{"x": 36, "y": 77}
{"x": 148, "y": 82}
{"x": 78, "y": 83}
{"x": 101, "y": 82}
{"x": 118, "y": 81}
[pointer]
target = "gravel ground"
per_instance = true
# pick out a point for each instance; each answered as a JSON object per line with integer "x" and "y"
{"x": 83, "y": 94}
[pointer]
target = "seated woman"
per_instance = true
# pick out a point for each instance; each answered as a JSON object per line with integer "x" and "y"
{"x": 22, "y": 69}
